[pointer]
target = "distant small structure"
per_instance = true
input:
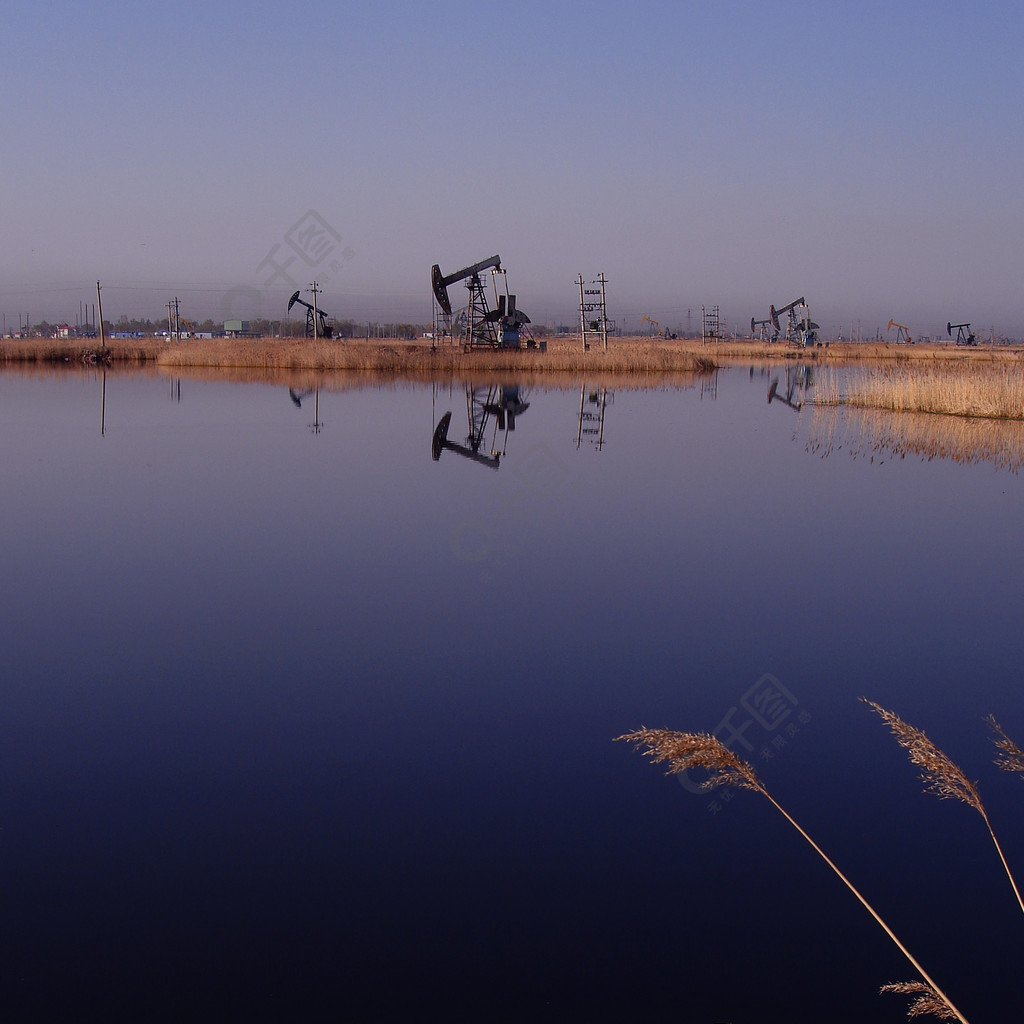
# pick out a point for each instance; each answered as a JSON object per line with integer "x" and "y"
{"x": 237, "y": 328}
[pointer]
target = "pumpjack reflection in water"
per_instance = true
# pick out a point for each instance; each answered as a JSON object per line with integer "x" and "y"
{"x": 297, "y": 398}
{"x": 498, "y": 405}
{"x": 799, "y": 380}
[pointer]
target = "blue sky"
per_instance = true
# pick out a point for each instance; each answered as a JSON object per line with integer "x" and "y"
{"x": 867, "y": 156}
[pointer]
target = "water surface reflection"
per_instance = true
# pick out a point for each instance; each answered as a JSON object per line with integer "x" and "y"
{"x": 298, "y": 728}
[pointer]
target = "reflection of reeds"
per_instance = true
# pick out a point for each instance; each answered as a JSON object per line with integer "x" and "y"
{"x": 995, "y": 392}
{"x": 941, "y": 775}
{"x": 876, "y": 433}
{"x": 683, "y": 751}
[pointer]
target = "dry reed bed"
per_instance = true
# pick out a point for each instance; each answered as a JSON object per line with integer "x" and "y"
{"x": 78, "y": 351}
{"x": 992, "y": 392}
{"x": 914, "y": 355}
{"x": 858, "y": 353}
{"x": 624, "y": 355}
{"x": 417, "y": 358}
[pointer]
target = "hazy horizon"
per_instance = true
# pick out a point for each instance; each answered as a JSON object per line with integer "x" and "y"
{"x": 737, "y": 155}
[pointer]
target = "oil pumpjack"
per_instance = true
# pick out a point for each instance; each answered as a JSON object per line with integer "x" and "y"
{"x": 478, "y": 325}
{"x": 902, "y": 332}
{"x": 316, "y": 319}
{"x": 801, "y": 329}
{"x": 964, "y": 335}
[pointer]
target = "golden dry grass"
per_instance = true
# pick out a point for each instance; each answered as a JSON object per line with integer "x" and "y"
{"x": 76, "y": 351}
{"x": 638, "y": 355}
{"x": 988, "y": 391}
{"x": 418, "y": 359}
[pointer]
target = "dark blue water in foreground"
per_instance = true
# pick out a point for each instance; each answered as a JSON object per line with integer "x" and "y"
{"x": 298, "y": 726}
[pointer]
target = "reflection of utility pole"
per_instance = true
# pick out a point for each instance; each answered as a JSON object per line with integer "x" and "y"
{"x": 316, "y": 405}
{"x": 298, "y": 396}
{"x": 103, "y": 405}
{"x": 599, "y": 397}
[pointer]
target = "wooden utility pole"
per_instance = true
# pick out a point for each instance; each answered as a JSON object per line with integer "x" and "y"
{"x": 99, "y": 302}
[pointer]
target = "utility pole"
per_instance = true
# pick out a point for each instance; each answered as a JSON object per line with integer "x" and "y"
{"x": 583, "y": 313}
{"x": 177, "y": 325}
{"x": 314, "y": 287}
{"x": 99, "y": 300}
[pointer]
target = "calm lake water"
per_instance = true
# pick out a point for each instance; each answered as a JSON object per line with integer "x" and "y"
{"x": 301, "y": 724}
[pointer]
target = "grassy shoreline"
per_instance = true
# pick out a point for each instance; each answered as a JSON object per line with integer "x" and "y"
{"x": 982, "y": 382}
{"x": 991, "y": 391}
{"x": 417, "y": 358}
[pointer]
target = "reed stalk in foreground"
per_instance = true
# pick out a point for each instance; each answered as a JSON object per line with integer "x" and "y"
{"x": 941, "y": 775}
{"x": 682, "y": 751}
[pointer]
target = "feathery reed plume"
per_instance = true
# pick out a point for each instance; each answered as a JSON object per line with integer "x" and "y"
{"x": 682, "y": 750}
{"x": 1011, "y": 757}
{"x": 927, "y": 1002}
{"x": 941, "y": 775}
{"x": 685, "y": 750}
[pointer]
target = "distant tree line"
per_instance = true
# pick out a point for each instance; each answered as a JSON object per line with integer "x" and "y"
{"x": 259, "y": 327}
